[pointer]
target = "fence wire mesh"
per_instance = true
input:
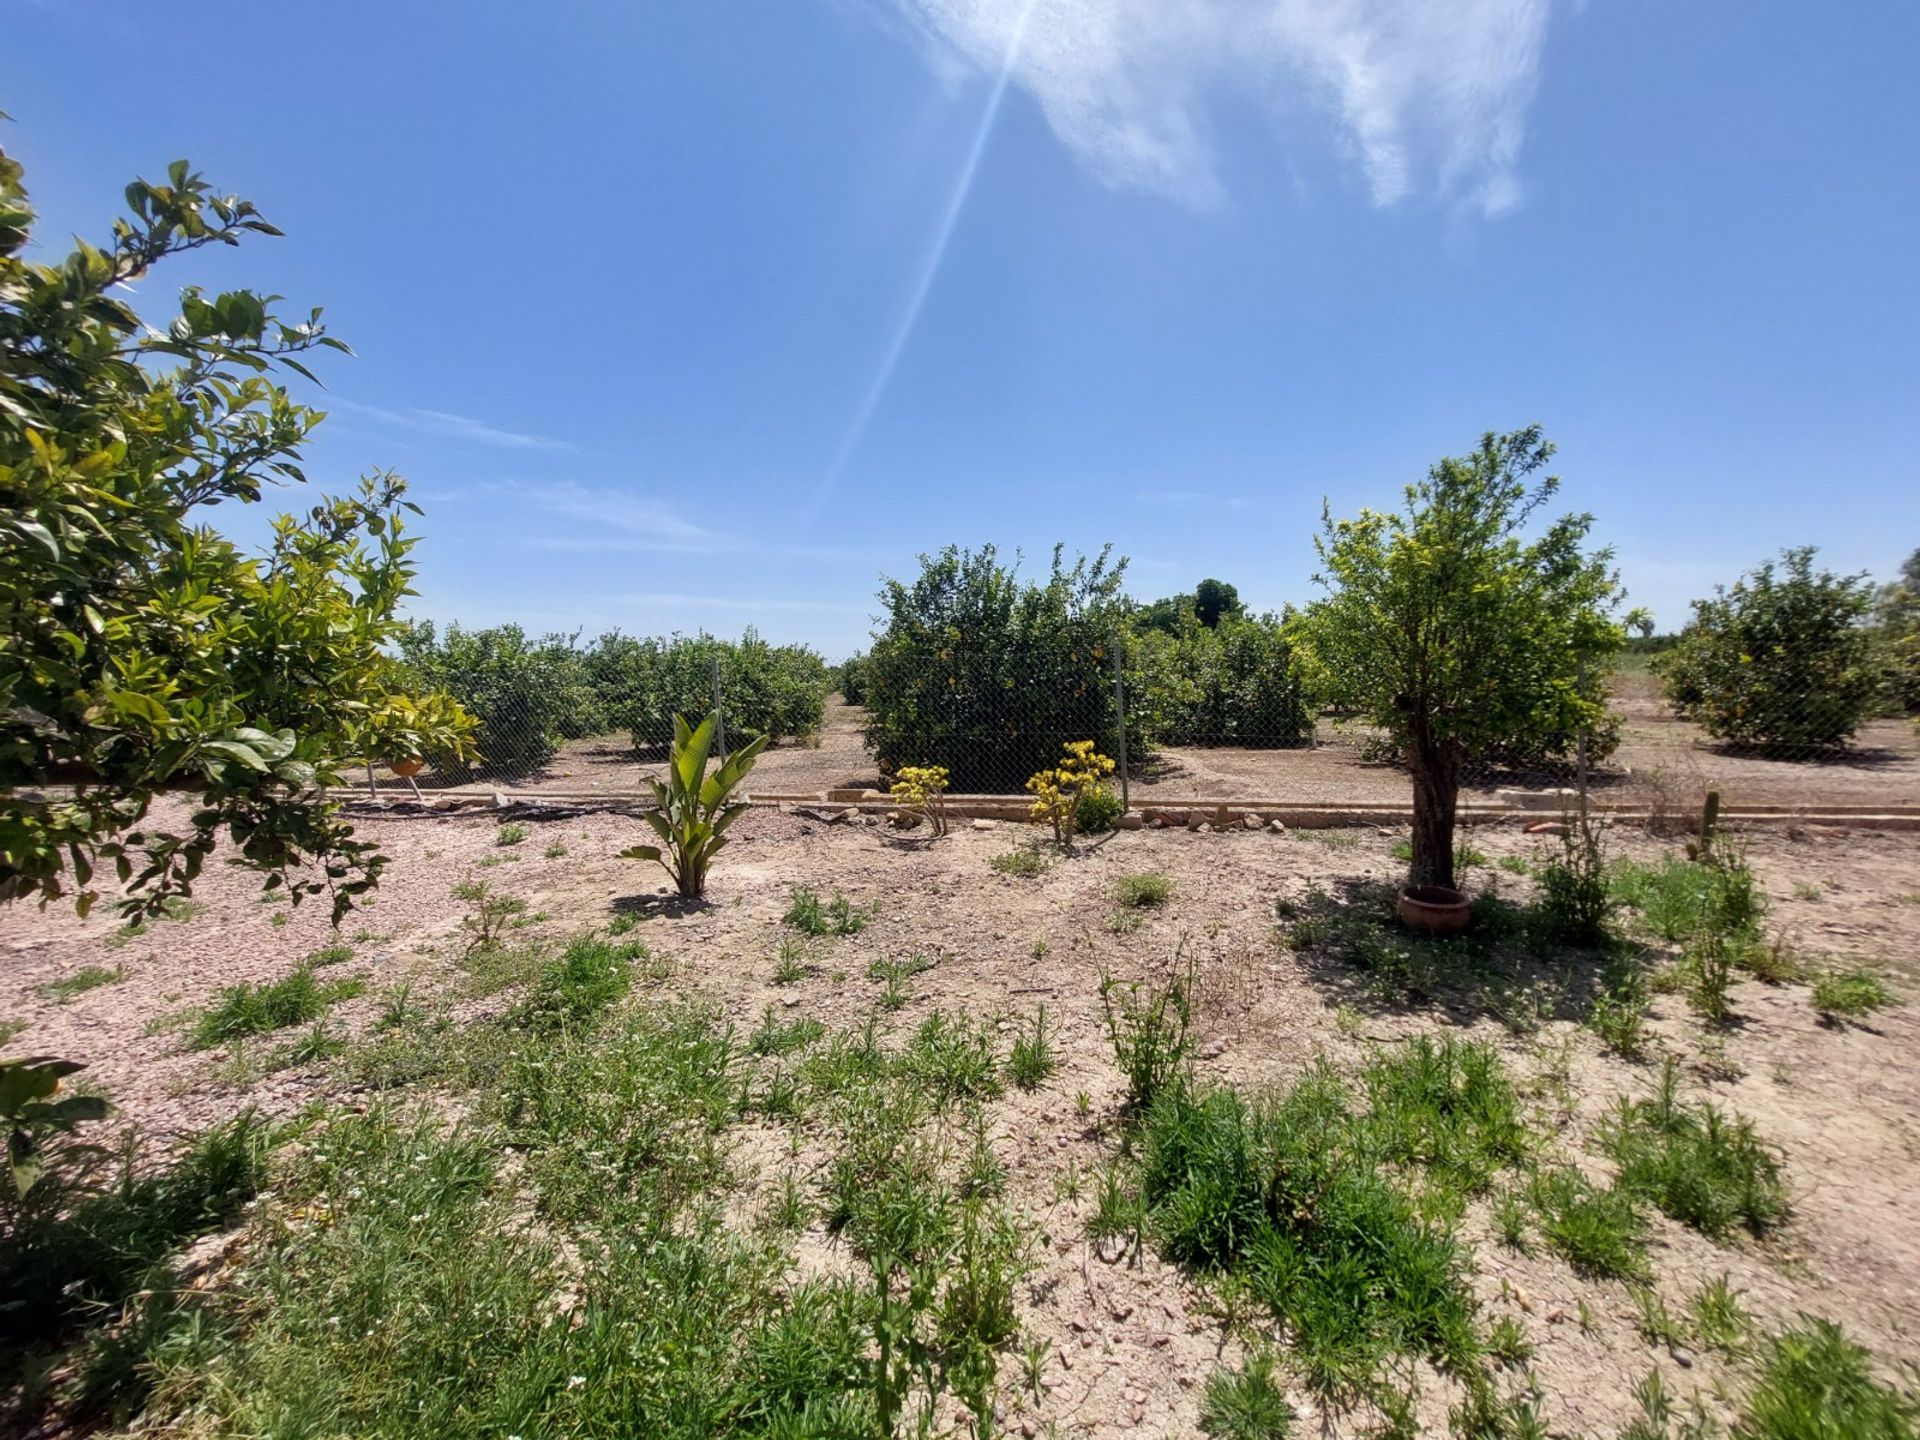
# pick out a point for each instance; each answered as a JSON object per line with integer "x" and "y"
{"x": 1224, "y": 719}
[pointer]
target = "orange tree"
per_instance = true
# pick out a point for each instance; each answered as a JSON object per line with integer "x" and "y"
{"x": 1456, "y": 633}
{"x": 142, "y": 652}
{"x": 987, "y": 674}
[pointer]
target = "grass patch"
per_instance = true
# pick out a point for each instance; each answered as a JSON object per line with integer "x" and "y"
{"x": 1148, "y": 890}
{"x": 91, "y": 977}
{"x": 1816, "y": 1384}
{"x": 1851, "y": 994}
{"x": 77, "y": 1254}
{"x": 774, "y": 1039}
{"x": 328, "y": 955}
{"x": 1619, "y": 1014}
{"x": 175, "y": 908}
{"x": 1465, "y": 857}
{"x": 810, "y": 915}
{"x": 792, "y": 963}
{"x": 1246, "y": 1404}
{"x": 571, "y": 991}
{"x": 1669, "y": 894}
{"x": 1025, "y": 863}
{"x": 1285, "y": 1196}
{"x": 247, "y": 1009}
{"x": 1705, "y": 1168}
{"x": 1033, "y": 1057}
{"x": 511, "y": 833}
{"x": 953, "y": 1060}
{"x": 1598, "y": 1232}
{"x": 1447, "y": 1106}
{"x": 10, "y": 1028}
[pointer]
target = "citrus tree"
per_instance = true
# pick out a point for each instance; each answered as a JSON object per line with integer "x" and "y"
{"x": 144, "y": 653}
{"x": 1783, "y": 659}
{"x": 1458, "y": 630}
{"x": 987, "y": 674}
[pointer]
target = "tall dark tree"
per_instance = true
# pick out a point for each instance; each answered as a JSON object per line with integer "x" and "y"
{"x": 1213, "y": 601}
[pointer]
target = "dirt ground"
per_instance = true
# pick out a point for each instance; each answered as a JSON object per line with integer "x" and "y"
{"x": 1134, "y": 1341}
{"x": 1659, "y": 755}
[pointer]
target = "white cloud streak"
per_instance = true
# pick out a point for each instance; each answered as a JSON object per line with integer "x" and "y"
{"x": 444, "y": 426}
{"x": 616, "y": 519}
{"x": 1430, "y": 97}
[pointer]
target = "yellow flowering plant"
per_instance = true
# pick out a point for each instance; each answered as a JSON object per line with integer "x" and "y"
{"x": 922, "y": 793}
{"x": 1057, "y": 791}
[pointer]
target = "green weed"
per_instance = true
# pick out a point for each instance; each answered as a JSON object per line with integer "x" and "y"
{"x": 775, "y": 1039}
{"x": 792, "y": 964}
{"x": 248, "y": 1009}
{"x": 572, "y": 990}
{"x": 1288, "y": 1196}
{"x": 1447, "y": 1106}
{"x": 89, "y": 977}
{"x": 1033, "y": 1058}
{"x": 953, "y": 1060}
{"x": 1704, "y": 1168}
{"x": 1246, "y": 1404}
{"x": 1720, "y": 1321}
{"x": 1851, "y": 994}
{"x": 511, "y": 833}
{"x": 1148, "y": 890}
{"x": 1816, "y": 1384}
{"x": 1598, "y": 1232}
{"x": 810, "y": 915}
{"x": 1026, "y": 863}
{"x": 1149, "y": 1029}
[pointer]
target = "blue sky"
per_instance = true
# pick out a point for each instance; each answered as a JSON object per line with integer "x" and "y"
{"x": 700, "y": 314}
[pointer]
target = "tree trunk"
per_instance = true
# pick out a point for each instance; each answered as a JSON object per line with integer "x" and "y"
{"x": 1436, "y": 795}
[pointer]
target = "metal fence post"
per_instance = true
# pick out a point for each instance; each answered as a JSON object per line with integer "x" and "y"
{"x": 1120, "y": 721}
{"x": 719, "y": 715}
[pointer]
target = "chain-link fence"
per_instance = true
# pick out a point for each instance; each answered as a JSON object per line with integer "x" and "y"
{"x": 1216, "y": 717}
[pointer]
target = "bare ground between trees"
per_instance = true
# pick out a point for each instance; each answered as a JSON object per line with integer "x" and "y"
{"x": 1660, "y": 760}
{"x": 1133, "y": 1343}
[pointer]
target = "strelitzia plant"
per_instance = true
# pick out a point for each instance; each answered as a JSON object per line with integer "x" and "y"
{"x": 693, "y": 809}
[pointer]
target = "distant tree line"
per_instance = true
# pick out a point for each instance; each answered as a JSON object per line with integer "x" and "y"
{"x": 532, "y": 694}
{"x": 988, "y": 672}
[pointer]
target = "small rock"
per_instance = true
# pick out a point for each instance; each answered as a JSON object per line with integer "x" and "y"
{"x": 1081, "y": 1322}
{"x": 1203, "y": 828}
{"x": 1249, "y": 821}
{"x": 1277, "y": 826}
{"x": 1028, "y": 1428}
{"x": 1130, "y": 821}
{"x": 1159, "y": 822}
{"x": 839, "y": 815}
{"x": 986, "y": 824}
{"x": 1213, "y": 1050}
{"x": 1120, "y": 1310}
{"x": 1556, "y": 1316}
{"x": 1682, "y": 1356}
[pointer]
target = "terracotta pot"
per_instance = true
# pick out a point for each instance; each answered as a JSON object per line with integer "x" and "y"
{"x": 408, "y": 768}
{"x": 1434, "y": 909}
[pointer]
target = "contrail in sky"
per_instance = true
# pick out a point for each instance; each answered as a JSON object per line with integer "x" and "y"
{"x": 929, "y": 268}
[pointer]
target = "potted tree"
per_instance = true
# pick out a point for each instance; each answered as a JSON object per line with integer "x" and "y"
{"x": 1458, "y": 626}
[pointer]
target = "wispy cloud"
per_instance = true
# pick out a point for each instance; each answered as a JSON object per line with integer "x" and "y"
{"x": 723, "y": 602}
{"x": 1428, "y": 96}
{"x": 442, "y": 425}
{"x": 614, "y": 519}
